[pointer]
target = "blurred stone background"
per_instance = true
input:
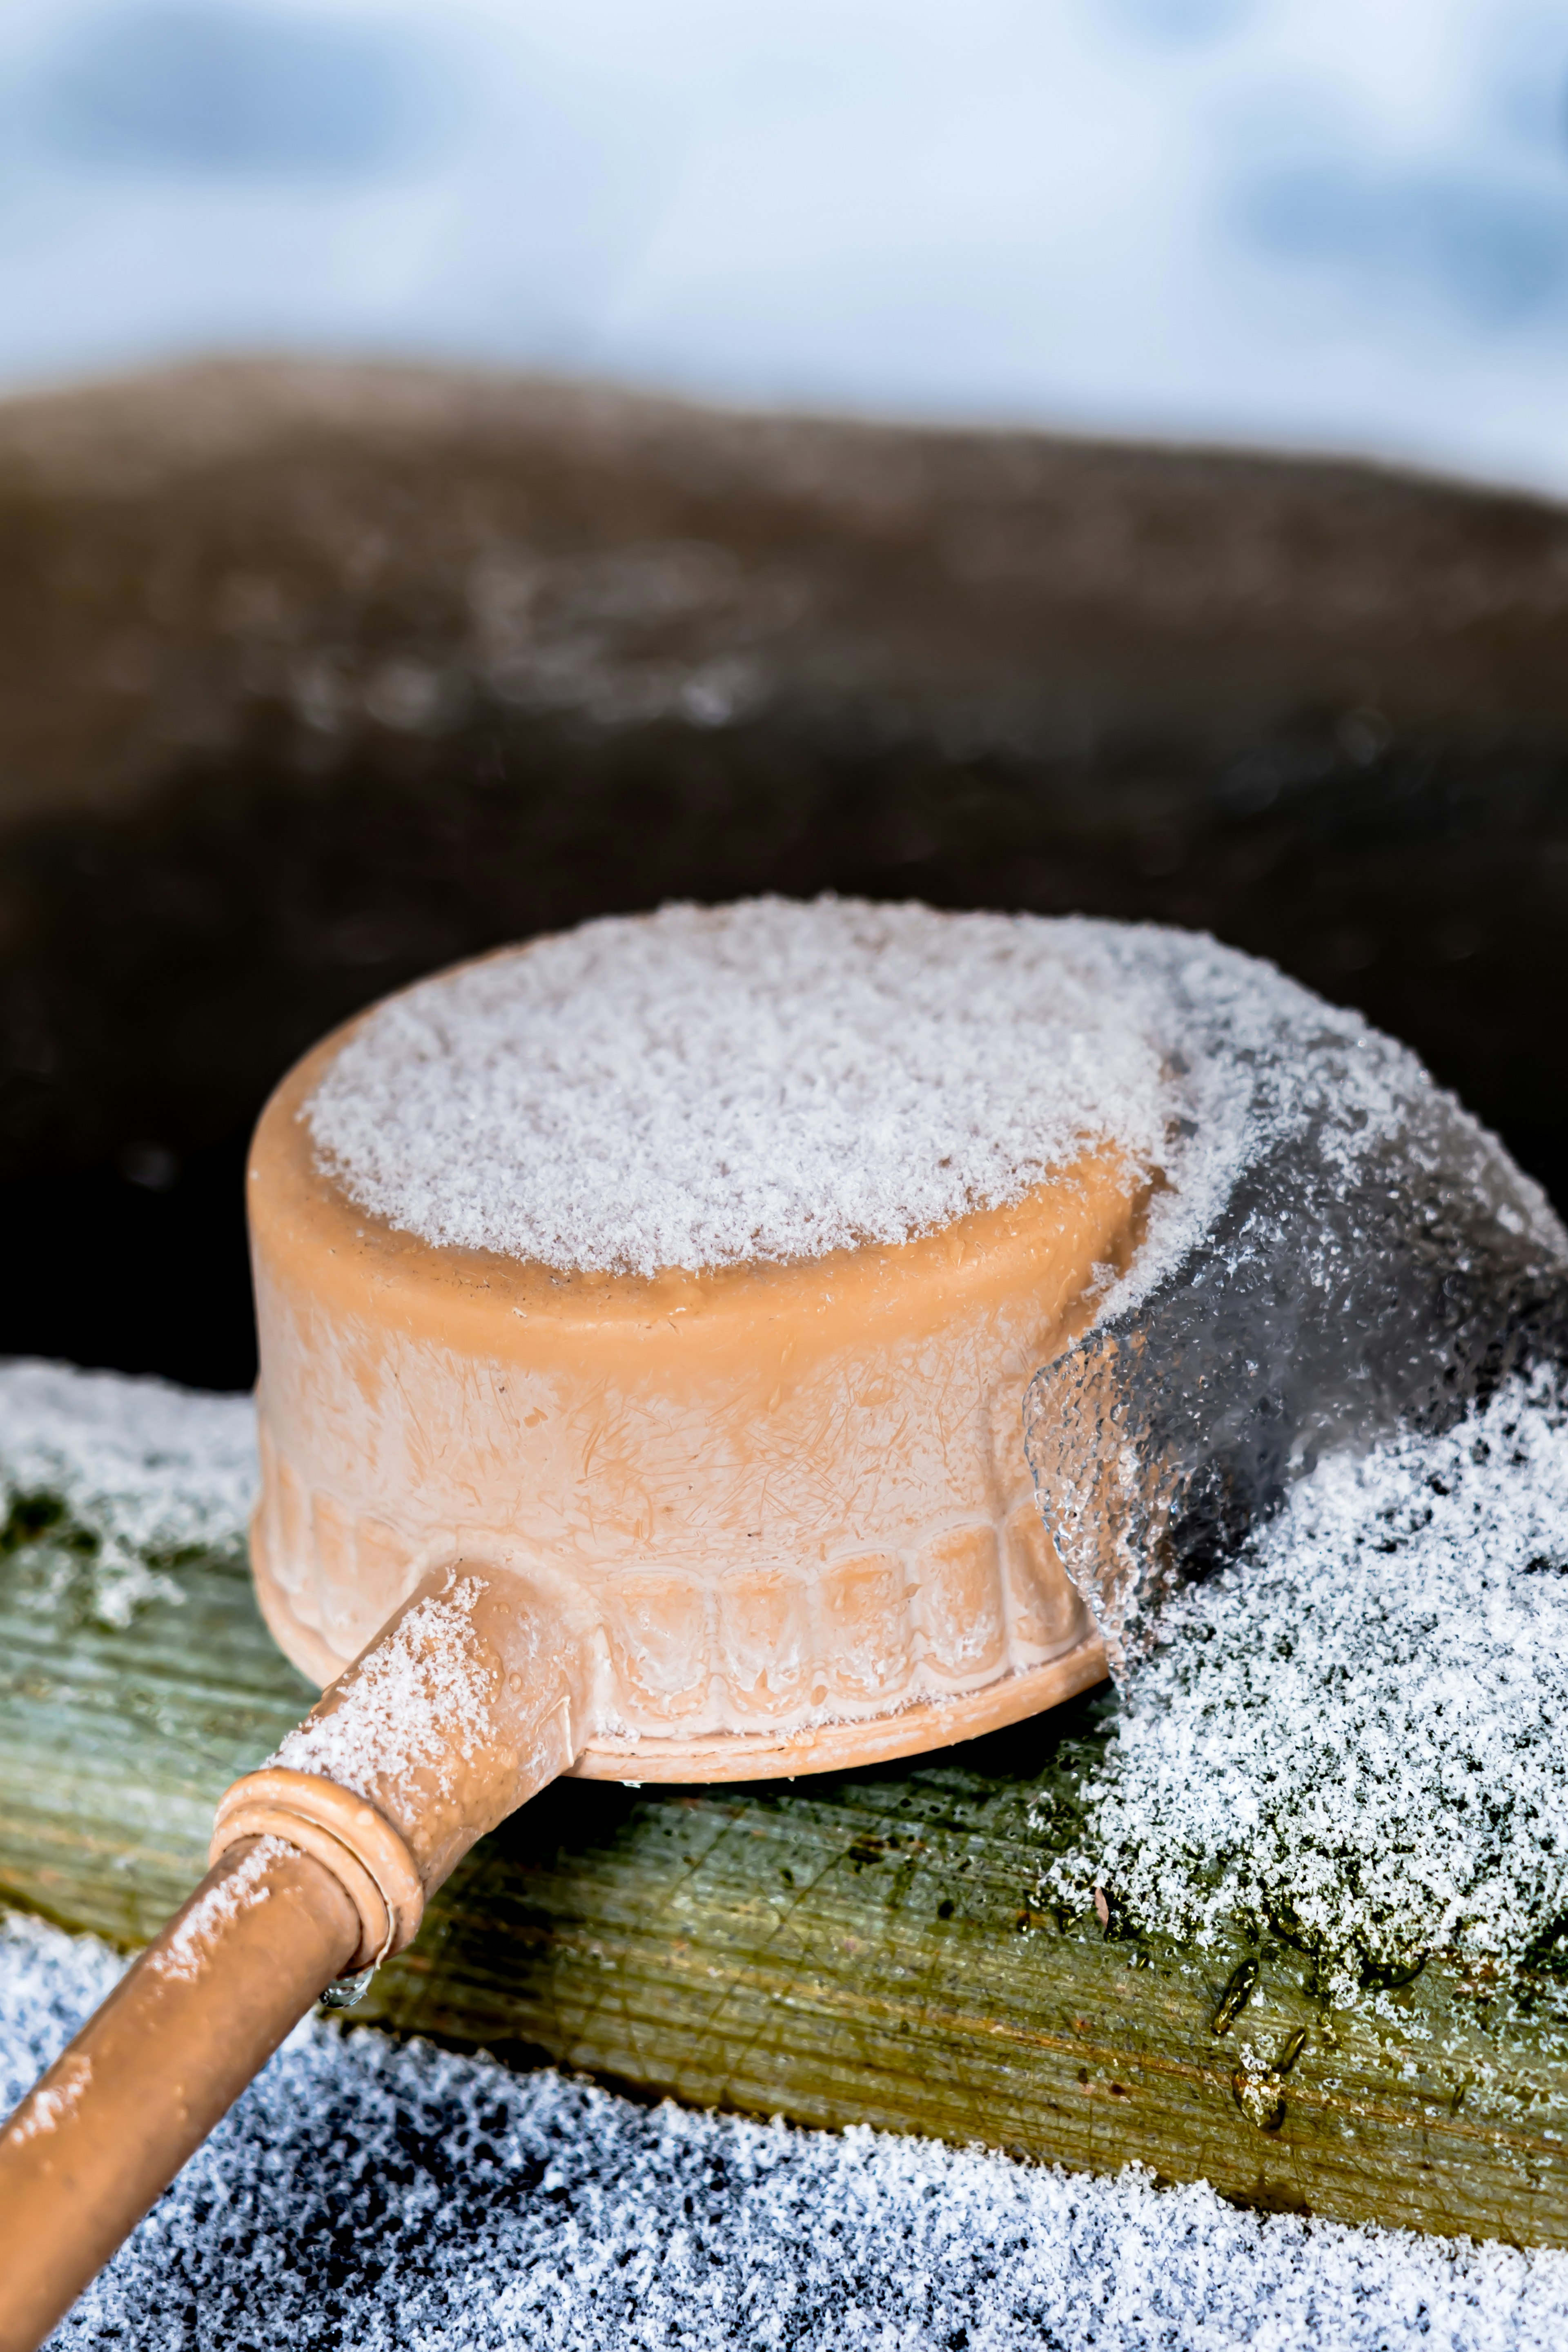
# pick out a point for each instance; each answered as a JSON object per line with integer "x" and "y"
{"x": 318, "y": 671}
{"x": 313, "y": 679}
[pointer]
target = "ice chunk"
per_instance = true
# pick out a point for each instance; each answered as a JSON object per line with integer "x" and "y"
{"x": 1342, "y": 1250}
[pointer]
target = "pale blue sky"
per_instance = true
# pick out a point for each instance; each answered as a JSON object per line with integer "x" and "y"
{"x": 1342, "y": 223}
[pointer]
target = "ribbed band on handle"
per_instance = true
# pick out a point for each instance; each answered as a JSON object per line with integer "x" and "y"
{"x": 345, "y": 1833}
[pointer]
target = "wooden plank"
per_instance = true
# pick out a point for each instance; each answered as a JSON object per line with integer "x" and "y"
{"x": 865, "y": 1949}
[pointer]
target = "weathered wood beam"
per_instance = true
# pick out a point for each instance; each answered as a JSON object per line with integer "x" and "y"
{"x": 865, "y": 1949}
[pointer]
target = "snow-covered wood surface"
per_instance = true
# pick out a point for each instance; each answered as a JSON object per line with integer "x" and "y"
{"x": 870, "y": 1949}
{"x": 381, "y": 2196}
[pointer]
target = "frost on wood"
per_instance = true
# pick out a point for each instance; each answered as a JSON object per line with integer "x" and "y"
{"x": 1356, "y": 1736}
{"x": 104, "y": 1475}
{"x": 384, "y": 2196}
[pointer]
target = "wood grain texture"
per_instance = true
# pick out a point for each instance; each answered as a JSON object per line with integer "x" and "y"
{"x": 865, "y": 1948}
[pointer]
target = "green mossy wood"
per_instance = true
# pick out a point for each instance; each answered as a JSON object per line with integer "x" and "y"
{"x": 865, "y": 1949}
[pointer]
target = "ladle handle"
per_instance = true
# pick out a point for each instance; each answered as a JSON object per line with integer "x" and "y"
{"x": 100, "y": 2136}
{"x": 472, "y": 1697}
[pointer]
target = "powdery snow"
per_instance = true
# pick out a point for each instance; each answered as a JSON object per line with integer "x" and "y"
{"x": 189, "y": 1947}
{"x": 422, "y": 1697}
{"x": 395, "y": 2198}
{"x": 774, "y": 1079}
{"x": 1364, "y": 1720}
{"x": 141, "y": 1465}
{"x": 51, "y": 2107}
{"x": 769, "y": 1080}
